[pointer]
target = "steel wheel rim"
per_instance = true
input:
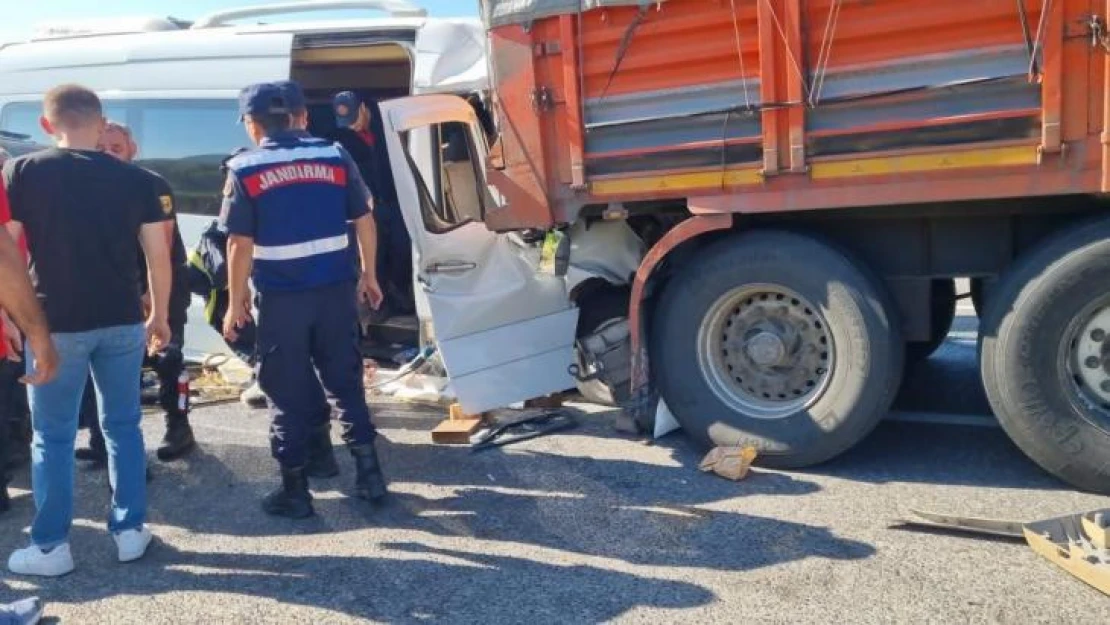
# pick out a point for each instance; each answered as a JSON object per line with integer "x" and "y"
{"x": 1084, "y": 363}
{"x": 765, "y": 351}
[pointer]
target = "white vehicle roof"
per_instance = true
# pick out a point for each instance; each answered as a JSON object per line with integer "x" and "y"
{"x": 157, "y": 54}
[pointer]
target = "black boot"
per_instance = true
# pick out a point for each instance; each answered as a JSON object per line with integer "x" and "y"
{"x": 96, "y": 452}
{"x": 321, "y": 455}
{"x": 5, "y": 501}
{"x": 292, "y": 500}
{"x": 178, "y": 440}
{"x": 369, "y": 482}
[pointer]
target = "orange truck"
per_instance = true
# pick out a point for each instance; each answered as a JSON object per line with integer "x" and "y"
{"x": 807, "y": 179}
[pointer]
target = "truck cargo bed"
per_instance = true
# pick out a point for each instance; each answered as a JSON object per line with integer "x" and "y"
{"x": 774, "y": 105}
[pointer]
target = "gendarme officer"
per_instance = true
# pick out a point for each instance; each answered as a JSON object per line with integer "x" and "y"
{"x": 287, "y": 206}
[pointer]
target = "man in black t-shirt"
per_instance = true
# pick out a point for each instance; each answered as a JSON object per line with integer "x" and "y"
{"x": 169, "y": 363}
{"x": 85, "y": 215}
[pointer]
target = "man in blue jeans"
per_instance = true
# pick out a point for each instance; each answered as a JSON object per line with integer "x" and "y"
{"x": 84, "y": 214}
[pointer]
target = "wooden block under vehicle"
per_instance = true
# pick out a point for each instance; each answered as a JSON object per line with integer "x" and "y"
{"x": 455, "y": 431}
{"x": 456, "y": 414}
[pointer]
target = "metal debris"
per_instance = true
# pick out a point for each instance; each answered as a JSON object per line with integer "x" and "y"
{"x": 1077, "y": 543}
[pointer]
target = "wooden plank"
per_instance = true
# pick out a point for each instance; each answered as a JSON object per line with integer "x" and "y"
{"x": 455, "y": 431}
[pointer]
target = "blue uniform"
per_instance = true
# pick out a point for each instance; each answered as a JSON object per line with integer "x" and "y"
{"x": 294, "y": 196}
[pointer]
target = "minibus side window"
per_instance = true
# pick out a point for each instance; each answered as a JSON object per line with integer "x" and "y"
{"x": 23, "y": 118}
{"x": 185, "y": 140}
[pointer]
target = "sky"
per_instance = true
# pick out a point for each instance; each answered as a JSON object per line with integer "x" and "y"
{"x": 18, "y": 24}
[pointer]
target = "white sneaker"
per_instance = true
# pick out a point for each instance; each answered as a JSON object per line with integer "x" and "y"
{"x": 34, "y": 561}
{"x": 23, "y": 612}
{"x": 132, "y": 544}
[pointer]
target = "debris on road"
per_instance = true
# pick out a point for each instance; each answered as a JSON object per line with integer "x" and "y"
{"x": 525, "y": 428}
{"x": 966, "y": 525}
{"x": 1077, "y": 543}
{"x": 731, "y": 463}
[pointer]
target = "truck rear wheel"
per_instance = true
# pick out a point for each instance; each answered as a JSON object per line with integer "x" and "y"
{"x": 779, "y": 341}
{"x": 1045, "y": 355}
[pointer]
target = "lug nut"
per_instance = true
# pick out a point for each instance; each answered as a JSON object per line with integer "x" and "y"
{"x": 1098, "y": 335}
{"x": 1093, "y": 362}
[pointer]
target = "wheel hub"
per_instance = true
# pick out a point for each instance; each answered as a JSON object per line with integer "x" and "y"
{"x": 1091, "y": 357}
{"x": 765, "y": 351}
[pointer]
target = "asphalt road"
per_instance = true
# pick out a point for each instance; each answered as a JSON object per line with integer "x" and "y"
{"x": 585, "y": 526}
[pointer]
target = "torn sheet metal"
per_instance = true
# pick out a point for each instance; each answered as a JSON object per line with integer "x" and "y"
{"x": 450, "y": 57}
{"x": 502, "y": 12}
{"x": 610, "y": 250}
{"x": 969, "y": 525}
{"x": 1073, "y": 543}
{"x": 1077, "y": 543}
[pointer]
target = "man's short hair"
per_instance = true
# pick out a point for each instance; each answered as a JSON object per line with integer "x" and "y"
{"x": 273, "y": 123}
{"x": 114, "y": 126}
{"x": 72, "y": 106}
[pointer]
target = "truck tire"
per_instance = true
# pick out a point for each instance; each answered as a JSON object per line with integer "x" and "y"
{"x": 779, "y": 341}
{"x": 942, "y": 304}
{"x": 1045, "y": 355}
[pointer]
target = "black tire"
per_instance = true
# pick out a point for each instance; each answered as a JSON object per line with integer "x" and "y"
{"x": 942, "y": 303}
{"x": 861, "y": 382}
{"x": 1025, "y": 338}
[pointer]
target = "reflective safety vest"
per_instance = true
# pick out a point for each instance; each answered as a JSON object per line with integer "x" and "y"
{"x": 297, "y": 188}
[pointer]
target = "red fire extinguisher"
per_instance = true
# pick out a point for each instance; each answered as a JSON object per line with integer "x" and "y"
{"x": 183, "y": 392}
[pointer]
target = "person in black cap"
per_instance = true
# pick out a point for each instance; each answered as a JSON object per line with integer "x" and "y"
{"x": 298, "y": 106}
{"x": 355, "y": 134}
{"x": 298, "y": 261}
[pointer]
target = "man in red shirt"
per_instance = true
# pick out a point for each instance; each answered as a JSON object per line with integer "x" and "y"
{"x": 15, "y": 414}
{"x": 17, "y": 299}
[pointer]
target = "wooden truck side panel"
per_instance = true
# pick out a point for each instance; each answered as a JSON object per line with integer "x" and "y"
{"x": 776, "y": 105}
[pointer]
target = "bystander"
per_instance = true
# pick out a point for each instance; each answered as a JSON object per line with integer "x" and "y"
{"x": 85, "y": 214}
{"x": 169, "y": 362}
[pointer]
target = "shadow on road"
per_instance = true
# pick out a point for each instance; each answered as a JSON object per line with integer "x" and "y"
{"x": 949, "y": 381}
{"x": 635, "y": 512}
{"x": 397, "y": 583}
{"x": 454, "y": 505}
{"x": 939, "y": 454}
